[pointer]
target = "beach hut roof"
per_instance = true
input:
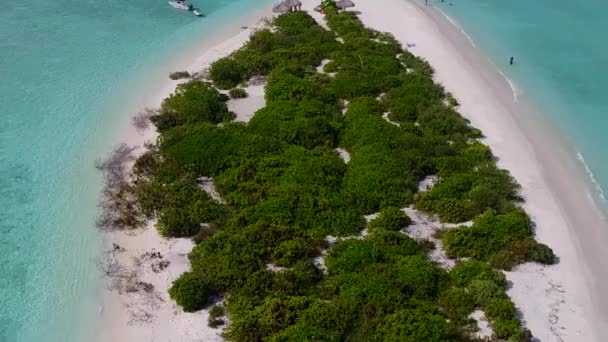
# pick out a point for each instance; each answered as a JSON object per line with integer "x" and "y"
{"x": 345, "y": 4}
{"x": 292, "y": 3}
{"x": 280, "y": 8}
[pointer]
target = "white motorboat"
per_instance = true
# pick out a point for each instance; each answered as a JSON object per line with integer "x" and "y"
{"x": 182, "y": 5}
{"x": 179, "y": 5}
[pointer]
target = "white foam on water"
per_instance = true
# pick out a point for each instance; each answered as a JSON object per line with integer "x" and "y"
{"x": 453, "y": 22}
{"x": 514, "y": 90}
{"x": 596, "y": 184}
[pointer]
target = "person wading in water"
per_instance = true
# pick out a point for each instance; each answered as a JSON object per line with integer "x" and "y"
{"x": 511, "y": 61}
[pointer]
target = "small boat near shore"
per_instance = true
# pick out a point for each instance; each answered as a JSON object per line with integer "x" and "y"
{"x": 182, "y": 5}
{"x": 179, "y": 5}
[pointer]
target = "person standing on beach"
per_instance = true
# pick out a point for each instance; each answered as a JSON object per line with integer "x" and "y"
{"x": 511, "y": 61}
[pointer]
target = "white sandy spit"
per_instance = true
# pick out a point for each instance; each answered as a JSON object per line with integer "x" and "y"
{"x": 153, "y": 316}
{"x": 554, "y": 301}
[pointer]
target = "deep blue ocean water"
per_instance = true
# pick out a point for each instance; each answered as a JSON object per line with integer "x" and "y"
{"x": 560, "y": 65}
{"x": 65, "y": 67}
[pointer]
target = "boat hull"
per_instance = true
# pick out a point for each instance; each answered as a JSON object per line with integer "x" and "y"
{"x": 178, "y": 5}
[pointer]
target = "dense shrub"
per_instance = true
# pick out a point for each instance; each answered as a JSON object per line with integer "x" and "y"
{"x": 289, "y": 252}
{"x": 273, "y": 315}
{"x": 330, "y": 67}
{"x": 457, "y": 303}
{"x": 501, "y": 313}
{"x": 483, "y": 287}
{"x": 417, "y": 65}
{"x": 165, "y": 190}
{"x": 287, "y": 86}
{"x": 207, "y": 149}
{"x": 408, "y": 101}
{"x": 460, "y": 196}
{"x": 237, "y": 93}
{"x": 227, "y": 260}
{"x": 352, "y": 256}
{"x": 465, "y": 272}
{"x": 194, "y": 101}
{"x": 413, "y": 326}
{"x": 227, "y": 73}
{"x": 393, "y": 244}
{"x": 503, "y": 239}
{"x": 179, "y": 75}
{"x": 483, "y": 291}
{"x": 521, "y": 251}
{"x": 420, "y": 278}
{"x": 191, "y": 291}
{"x": 309, "y": 123}
{"x": 379, "y": 177}
{"x": 390, "y": 218}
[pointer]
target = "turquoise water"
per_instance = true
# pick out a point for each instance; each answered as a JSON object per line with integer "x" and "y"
{"x": 561, "y": 61}
{"x": 66, "y": 67}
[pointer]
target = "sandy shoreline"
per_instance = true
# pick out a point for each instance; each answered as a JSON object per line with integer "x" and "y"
{"x": 126, "y": 317}
{"x": 555, "y": 302}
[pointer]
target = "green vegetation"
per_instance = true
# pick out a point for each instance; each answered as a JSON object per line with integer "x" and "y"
{"x": 192, "y": 102}
{"x": 390, "y": 218}
{"x": 237, "y": 93}
{"x": 215, "y": 316}
{"x": 503, "y": 239}
{"x": 286, "y": 189}
{"x": 226, "y": 73}
{"x": 191, "y": 291}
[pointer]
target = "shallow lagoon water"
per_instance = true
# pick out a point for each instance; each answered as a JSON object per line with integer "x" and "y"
{"x": 68, "y": 69}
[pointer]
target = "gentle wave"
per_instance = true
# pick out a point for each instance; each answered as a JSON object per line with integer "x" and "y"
{"x": 596, "y": 184}
{"x": 514, "y": 90}
{"x": 453, "y": 22}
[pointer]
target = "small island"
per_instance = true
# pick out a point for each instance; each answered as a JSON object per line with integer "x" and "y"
{"x": 355, "y": 204}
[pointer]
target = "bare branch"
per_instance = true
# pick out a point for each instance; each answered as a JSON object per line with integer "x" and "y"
{"x": 118, "y": 206}
{"x": 141, "y": 121}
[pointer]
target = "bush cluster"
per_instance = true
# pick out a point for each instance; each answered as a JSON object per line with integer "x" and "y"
{"x": 285, "y": 190}
{"x": 193, "y": 101}
{"x": 390, "y": 218}
{"x": 237, "y": 93}
{"x": 504, "y": 240}
{"x": 191, "y": 291}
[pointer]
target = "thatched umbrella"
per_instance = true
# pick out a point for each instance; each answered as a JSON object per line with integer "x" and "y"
{"x": 295, "y": 4}
{"x": 342, "y": 4}
{"x": 281, "y": 8}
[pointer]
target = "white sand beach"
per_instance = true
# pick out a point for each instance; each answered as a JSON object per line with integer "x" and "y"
{"x": 557, "y": 303}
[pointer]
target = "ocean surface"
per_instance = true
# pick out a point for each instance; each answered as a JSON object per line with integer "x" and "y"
{"x": 69, "y": 71}
{"x": 560, "y": 66}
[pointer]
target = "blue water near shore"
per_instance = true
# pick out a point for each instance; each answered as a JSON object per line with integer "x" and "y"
{"x": 65, "y": 66}
{"x": 561, "y": 61}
